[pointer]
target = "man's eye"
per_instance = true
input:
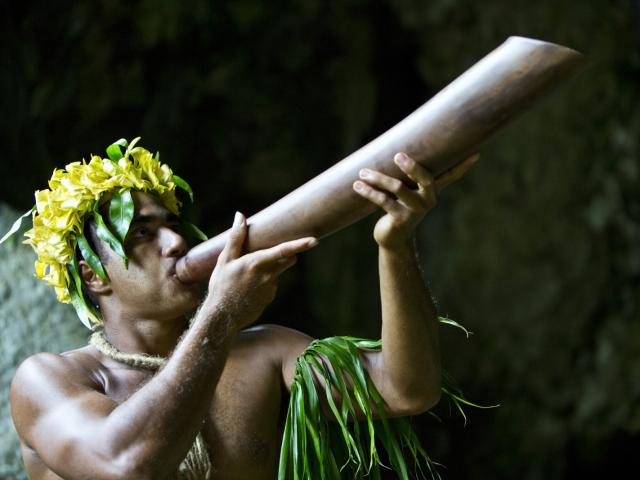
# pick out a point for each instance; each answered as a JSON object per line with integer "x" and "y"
{"x": 142, "y": 232}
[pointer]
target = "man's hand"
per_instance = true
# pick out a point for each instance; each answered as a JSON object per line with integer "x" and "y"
{"x": 244, "y": 285}
{"x": 405, "y": 207}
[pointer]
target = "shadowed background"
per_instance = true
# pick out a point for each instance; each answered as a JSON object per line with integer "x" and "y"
{"x": 536, "y": 250}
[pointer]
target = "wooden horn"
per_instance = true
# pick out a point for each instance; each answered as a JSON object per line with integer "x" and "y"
{"x": 439, "y": 134}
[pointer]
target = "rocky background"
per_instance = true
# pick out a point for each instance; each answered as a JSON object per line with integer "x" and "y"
{"x": 536, "y": 250}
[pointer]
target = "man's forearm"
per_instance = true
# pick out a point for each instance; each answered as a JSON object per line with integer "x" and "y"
{"x": 156, "y": 426}
{"x": 408, "y": 369}
{"x": 410, "y": 343}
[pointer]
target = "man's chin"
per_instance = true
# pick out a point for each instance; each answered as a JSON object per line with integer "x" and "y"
{"x": 177, "y": 301}
{"x": 187, "y": 301}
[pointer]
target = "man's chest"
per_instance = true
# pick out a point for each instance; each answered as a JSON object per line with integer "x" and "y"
{"x": 243, "y": 427}
{"x": 243, "y": 430}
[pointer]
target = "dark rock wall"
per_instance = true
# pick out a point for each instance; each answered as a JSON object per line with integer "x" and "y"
{"x": 31, "y": 321}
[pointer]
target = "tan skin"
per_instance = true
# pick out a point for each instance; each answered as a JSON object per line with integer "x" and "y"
{"x": 81, "y": 415}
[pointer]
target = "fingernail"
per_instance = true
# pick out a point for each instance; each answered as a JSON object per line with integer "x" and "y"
{"x": 358, "y": 186}
{"x": 237, "y": 220}
{"x": 364, "y": 173}
{"x": 400, "y": 158}
{"x": 312, "y": 242}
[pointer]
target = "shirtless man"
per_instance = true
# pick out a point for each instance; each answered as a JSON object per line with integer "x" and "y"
{"x": 83, "y": 415}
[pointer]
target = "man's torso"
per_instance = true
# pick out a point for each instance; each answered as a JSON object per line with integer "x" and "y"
{"x": 243, "y": 429}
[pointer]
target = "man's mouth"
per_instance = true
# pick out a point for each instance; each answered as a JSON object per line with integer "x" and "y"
{"x": 172, "y": 271}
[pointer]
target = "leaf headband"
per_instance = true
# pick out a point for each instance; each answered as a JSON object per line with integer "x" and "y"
{"x": 75, "y": 194}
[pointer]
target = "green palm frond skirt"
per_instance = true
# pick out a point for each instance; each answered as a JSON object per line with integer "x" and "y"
{"x": 314, "y": 447}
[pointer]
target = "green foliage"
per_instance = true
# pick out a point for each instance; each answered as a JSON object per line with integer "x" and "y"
{"x": 114, "y": 152}
{"x": 121, "y": 210}
{"x": 90, "y": 256}
{"x": 190, "y": 230}
{"x": 348, "y": 447}
{"x": 85, "y": 312}
{"x": 105, "y": 234}
{"x": 181, "y": 183}
{"x": 16, "y": 225}
{"x": 312, "y": 447}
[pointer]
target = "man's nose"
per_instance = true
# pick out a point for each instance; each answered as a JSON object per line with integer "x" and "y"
{"x": 173, "y": 244}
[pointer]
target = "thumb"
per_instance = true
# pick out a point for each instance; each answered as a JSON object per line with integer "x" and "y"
{"x": 235, "y": 239}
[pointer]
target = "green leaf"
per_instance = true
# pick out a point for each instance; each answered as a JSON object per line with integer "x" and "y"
{"x": 341, "y": 417}
{"x": 448, "y": 321}
{"x": 114, "y": 152}
{"x": 85, "y": 312}
{"x": 121, "y": 211}
{"x": 79, "y": 305}
{"x": 180, "y": 182}
{"x": 459, "y": 399}
{"x": 311, "y": 444}
{"x": 107, "y": 236}
{"x": 314, "y": 427}
{"x": 190, "y": 230}
{"x": 284, "y": 448}
{"x": 90, "y": 257}
{"x": 16, "y": 225}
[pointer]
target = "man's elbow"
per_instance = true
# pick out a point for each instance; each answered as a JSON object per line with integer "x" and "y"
{"x": 134, "y": 465}
{"x": 426, "y": 401}
{"x": 416, "y": 402}
{"x": 134, "y": 470}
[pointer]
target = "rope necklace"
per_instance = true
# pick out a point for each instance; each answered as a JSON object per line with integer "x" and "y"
{"x": 196, "y": 465}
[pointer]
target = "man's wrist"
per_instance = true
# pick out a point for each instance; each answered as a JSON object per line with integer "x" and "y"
{"x": 216, "y": 318}
{"x": 405, "y": 251}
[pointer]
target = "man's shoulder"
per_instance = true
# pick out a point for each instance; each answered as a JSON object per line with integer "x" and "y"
{"x": 283, "y": 345}
{"x": 47, "y": 368}
{"x": 276, "y": 336}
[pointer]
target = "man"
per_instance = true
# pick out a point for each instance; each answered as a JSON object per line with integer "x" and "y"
{"x": 92, "y": 413}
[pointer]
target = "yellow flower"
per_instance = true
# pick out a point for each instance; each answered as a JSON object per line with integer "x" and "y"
{"x": 72, "y": 194}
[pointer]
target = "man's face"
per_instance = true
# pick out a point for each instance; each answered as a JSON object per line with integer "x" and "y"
{"x": 148, "y": 287}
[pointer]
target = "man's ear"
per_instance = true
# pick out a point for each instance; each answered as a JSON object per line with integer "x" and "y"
{"x": 93, "y": 282}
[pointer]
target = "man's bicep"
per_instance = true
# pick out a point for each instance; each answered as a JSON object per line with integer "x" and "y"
{"x": 58, "y": 414}
{"x": 291, "y": 343}
{"x": 288, "y": 345}
{"x": 373, "y": 363}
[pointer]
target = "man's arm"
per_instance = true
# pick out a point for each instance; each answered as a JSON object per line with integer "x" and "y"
{"x": 79, "y": 432}
{"x": 406, "y": 371}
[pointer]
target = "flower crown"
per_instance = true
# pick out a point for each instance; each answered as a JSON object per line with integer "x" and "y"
{"x": 76, "y": 194}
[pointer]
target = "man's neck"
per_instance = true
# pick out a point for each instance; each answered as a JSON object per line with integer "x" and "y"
{"x": 152, "y": 337}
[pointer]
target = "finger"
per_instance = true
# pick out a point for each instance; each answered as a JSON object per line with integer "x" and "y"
{"x": 455, "y": 173}
{"x": 414, "y": 170}
{"x": 382, "y": 182}
{"x": 284, "y": 263}
{"x": 235, "y": 239}
{"x": 284, "y": 250}
{"x": 378, "y": 197}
